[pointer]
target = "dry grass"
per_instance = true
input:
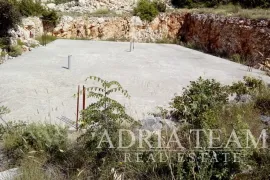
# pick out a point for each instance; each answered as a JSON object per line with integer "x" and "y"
{"x": 98, "y": 13}
{"x": 231, "y": 10}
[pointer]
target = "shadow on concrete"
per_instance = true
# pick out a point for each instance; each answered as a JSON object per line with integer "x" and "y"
{"x": 64, "y": 67}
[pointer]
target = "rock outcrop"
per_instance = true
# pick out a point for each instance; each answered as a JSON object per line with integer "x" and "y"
{"x": 120, "y": 28}
{"x": 227, "y": 36}
{"x": 30, "y": 28}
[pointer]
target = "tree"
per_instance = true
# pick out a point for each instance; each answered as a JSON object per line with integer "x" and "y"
{"x": 9, "y": 17}
{"x": 105, "y": 109}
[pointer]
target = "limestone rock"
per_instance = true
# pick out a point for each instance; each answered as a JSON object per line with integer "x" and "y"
{"x": 51, "y": 5}
{"x": 136, "y": 21}
{"x": 33, "y": 25}
{"x": 228, "y": 35}
{"x": 9, "y": 174}
{"x": 265, "y": 119}
{"x": 122, "y": 28}
{"x": 246, "y": 98}
{"x": 151, "y": 124}
{"x": 156, "y": 123}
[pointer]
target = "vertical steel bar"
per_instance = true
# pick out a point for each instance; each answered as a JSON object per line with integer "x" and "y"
{"x": 69, "y": 62}
{"x": 83, "y": 98}
{"x": 78, "y": 104}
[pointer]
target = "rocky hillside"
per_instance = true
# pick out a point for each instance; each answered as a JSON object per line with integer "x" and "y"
{"x": 86, "y": 6}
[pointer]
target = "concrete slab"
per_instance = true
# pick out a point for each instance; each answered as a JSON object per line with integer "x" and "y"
{"x": 37, "y": 87}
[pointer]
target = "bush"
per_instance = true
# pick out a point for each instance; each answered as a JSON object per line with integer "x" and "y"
{"x": 161, "y": 6}
{"x": 197, "y": 99}
{"x": 19, "y": 42}
{"x": 15, "y": 51}
{"x": 146, "y": 10}
{"x": 236, "y": 58}
{"x": 35, "y": 8}
{"x": 249, "y": 86}
{"x": 253, "y": 3}
{"x": 29, "y": 7}
{"x": 50, "y": 17}
{"x": 102, "y": 11}
{"x": 9, "y": 17}
{"x": 20, "y": 139}
{"x": 181, "y": 3}
{"x": 45, "y": 39}
{"x": 4, "y": 42}
{"x": 262, "y": 101}
{"x": 63, "y": 1}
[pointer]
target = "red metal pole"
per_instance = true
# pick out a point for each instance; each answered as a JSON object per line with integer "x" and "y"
{"x": 78, "y": 104}
{"x": 83, "y": 98}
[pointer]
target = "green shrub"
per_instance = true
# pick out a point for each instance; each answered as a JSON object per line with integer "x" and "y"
{"x": 32, "y": 168}
{"x": 146, "y": 10}
{"x": 160, "y": 5}
{"x": 262, "y": 101}
{"x": 9, "y": 17}
{"x": 30, "y": 8}
{"x": 34, "y": 8}
{"x": 236, "y": 58}
{"x": 197, "y": 99}
{"x": 260, "y": 167}
{"x": 20, "y": 43}
{"x": 101, "y": 11}
{"x": 3, "y": 54}
{"x": 15, "y": 51}
{"x": 4, "y": 42}
{"x": 50, "y": 17}
{"x": 20, "y": 139}
{"x": 248, "y": 86}
{"x": 253, "y": 3}
{"x": 181, "y": 3}
{"x": 63, "y": 1}
{"x": 45, "y": 39}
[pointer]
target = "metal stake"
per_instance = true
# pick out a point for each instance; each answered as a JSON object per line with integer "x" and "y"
{"x": 69, "y": 61}
{"x": 130, "y": 48}
{"x": 78, "y": 104}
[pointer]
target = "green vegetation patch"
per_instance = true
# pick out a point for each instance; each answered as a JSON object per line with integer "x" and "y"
{"x": 46, "y": 39}
{"x": 148, "y": 10}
